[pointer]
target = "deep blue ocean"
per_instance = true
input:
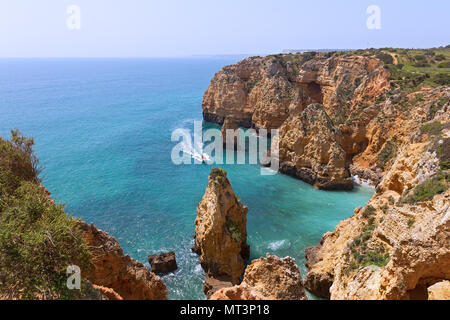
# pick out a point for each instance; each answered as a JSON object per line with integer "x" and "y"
{"x": 102, "y": 129}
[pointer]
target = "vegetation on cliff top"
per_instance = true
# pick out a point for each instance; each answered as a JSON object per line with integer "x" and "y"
{"x": 439, "y": 182}
{"x": 38, "y": 241}
{"x": 412, "y": 68}
{"x": 364, "y": 254}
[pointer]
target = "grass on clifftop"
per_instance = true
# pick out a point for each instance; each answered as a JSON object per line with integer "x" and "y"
{"x": 38, "y": 241}
{"x": 412, "y": 68}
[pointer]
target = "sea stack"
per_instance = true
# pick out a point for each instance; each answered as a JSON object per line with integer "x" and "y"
{"x": 221, "y": 233}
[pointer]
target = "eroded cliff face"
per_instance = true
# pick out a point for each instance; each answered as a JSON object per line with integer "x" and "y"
{"x": 310, "y": 149}
{"x": 357, "y": 113}
{"x": 272, "y": 92}
{"x": 221, "y": 232}
{"x": 262, "y": 92}
{"x": 360, "y": 113}
{"x": 116, "y": 275}
{"x": 269, "y": 278}
{"x": 399, "y": 244}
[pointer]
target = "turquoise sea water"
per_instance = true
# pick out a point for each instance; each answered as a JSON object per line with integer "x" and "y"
{"x": 102, "y": 129}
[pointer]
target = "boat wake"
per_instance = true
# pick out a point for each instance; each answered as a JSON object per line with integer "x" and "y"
{"x": 196, "y": 151}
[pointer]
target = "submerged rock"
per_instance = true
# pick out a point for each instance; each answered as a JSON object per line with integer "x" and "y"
{"x": 163, "y": 262}
{"x": 220, "y": 231}
{"x": 270, "y": 278}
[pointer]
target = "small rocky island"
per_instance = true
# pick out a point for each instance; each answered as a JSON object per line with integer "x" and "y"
{"x": 221, "y": 242}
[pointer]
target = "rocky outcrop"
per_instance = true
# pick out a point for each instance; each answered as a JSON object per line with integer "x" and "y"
{"x": 213, "y": 283}
{"x": 398, "y": 245}
{"x": 439, "y": 291}
{"x": 318, "y": 281}
{"x": 262, "y": 92}
{"x": 271, "y": 92}
{"x": 269, "y": 278}
{"x": 119, "y": 275}
{"x": 310, "y": 149}
{"x": 356, "y": 113}
{"x": 229, "y": 124}
{"x": 371, "y": 176}
{"x": 221, "y": 231}
{"x": 163, "y": 262}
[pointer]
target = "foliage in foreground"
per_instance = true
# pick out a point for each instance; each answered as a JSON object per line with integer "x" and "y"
{"x": 38, "y": 241}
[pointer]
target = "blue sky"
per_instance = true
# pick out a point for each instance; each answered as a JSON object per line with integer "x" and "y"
{"x": 149, "y": 28}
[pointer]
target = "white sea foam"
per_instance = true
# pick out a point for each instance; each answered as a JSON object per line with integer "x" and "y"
{"x": 363, "y": 182}
{"x": 195, "y": 150}
{"x": 277, "y": 244}
{"x": 198, "y": 269}
{"x": 268, "y": 171}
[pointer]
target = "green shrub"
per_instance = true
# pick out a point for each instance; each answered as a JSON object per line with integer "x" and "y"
{"x": 18, "y": 162}
{"x": 389, "y": 151}
{"x": 362, "y": 256}
{"x": 420, "y": 57}
{"x": 432, "y": 128}
{"x": 442, "y": 79}
{"x": 422, "y": 65}
{"x": 384, "y": 208}
{"x": 38, "y": 241}
{"x": 445, "y": 64}
{"x": 417, "y": 98}
{"x": 385, "y": 57}
{"x": 443, "y": 153}
{"x": 234, "y": 230}
{"x": 428, "y": 189}
{"x": 368, "y": 211}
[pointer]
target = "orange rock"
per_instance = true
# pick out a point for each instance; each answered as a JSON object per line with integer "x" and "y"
{"x": 220, "y": 230}
{"x": 129, "y": 278}
{"x": 270, "y": 278}
{"x": 109, "y": 293}
{"x": 439, "y": 291}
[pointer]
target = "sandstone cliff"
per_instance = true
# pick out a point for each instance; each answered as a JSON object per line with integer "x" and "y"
{"x": 116, "y": 275}
{"x": 221, "y": 231}
{"x": 439, "y": 291}
{"x": 272, "y": 92}
{"x": 376, "y": 114}
{"x": 263, "y": 91}
{"x": 310, "y": 149}
{"x": 399, "y": 244}
{"x": 269, "y": 278}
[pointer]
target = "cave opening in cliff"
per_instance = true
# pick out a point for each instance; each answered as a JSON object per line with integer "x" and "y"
{"x": 314, "y": 91}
